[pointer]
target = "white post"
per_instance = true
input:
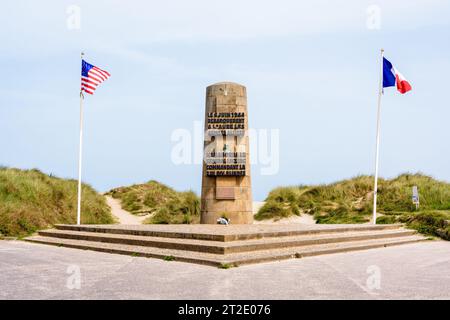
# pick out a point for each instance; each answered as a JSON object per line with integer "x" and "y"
{"x": 80, "y": 156}
{"x": 375, "y": 189}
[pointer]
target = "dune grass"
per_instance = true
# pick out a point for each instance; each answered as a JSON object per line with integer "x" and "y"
{"x": 164, "y": 204}
{"x": 351, "y": 201}
{"x": 31, "y": 200}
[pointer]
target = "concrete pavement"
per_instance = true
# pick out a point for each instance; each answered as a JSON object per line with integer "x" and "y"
{"x": 414, "y": 271}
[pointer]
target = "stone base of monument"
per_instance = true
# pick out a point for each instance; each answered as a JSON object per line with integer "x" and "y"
{"x": 232, "y": 245}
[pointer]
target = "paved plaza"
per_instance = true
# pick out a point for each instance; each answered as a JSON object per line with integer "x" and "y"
{"x": 413, "y": 271}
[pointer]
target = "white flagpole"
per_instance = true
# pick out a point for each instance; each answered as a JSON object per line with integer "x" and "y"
{"x": 375, "y": 189}
{"x": 80, "y": 155}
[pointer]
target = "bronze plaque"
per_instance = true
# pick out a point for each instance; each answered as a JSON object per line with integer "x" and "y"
{"x": 225, "y": 193}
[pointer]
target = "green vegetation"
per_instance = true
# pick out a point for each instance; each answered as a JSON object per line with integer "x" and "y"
{"x": 31, "y": 200}
{"x": 351, "y": 201}
{"x": 164, "y": 204}
{"x": 433, "y": 223}
{"x": 169, "y": 258}
{"x": 226, "y": 266}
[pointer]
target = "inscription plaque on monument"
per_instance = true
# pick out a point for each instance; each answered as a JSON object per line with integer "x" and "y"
{"x": 226, "y": 183}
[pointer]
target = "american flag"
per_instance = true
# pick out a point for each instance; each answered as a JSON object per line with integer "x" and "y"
{"x": 91, "y": 77}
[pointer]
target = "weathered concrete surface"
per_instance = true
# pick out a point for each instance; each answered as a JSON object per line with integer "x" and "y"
{"x": 415, "y": 271}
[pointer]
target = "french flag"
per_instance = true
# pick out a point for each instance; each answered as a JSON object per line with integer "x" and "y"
{"x": 392, "y": 77}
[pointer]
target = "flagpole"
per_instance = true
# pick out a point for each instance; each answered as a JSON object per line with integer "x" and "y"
{"x": 380, "y": 93}
{"x": 80, "y": 155}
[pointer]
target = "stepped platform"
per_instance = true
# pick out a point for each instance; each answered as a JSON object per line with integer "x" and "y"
{"x": 220, "y": 245}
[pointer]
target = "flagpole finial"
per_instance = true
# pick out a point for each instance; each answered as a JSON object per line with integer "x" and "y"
{"x": 382, "y": 50}
{"x": 82, "y": 54}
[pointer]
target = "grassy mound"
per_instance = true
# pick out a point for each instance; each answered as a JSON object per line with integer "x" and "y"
{"x": 31, "y": 200}
{"x": 163, "y": 203}
{"x": 351, "y": 201}
{"x": 434, "y": 223}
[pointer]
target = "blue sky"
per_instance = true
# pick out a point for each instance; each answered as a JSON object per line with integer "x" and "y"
{"x": 311, "y": 70}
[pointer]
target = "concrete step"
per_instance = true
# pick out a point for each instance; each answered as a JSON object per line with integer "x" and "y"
{"x": 140, "y": 251}
{"x": 224, "y": 233}
{"x": 218, "y": 247}
{"x": 238, "y": 259}
{"x": 234, "y": 259}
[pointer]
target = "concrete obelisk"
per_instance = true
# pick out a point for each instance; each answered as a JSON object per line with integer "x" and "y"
{"x": 226, "y": 183}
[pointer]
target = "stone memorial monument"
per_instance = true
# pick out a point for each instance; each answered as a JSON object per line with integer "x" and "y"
{"x": 226, "y": 182}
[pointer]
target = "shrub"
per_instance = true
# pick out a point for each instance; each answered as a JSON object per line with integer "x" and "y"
{"x": 165, "y": 205}
{"x": 351, "y": 201}
{"x": 31, "y": 200}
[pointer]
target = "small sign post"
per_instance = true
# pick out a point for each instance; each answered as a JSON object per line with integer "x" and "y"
{"x": 415, "y": 196}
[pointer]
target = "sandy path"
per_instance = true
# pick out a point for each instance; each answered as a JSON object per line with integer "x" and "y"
{"x": 123, "y": 217}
